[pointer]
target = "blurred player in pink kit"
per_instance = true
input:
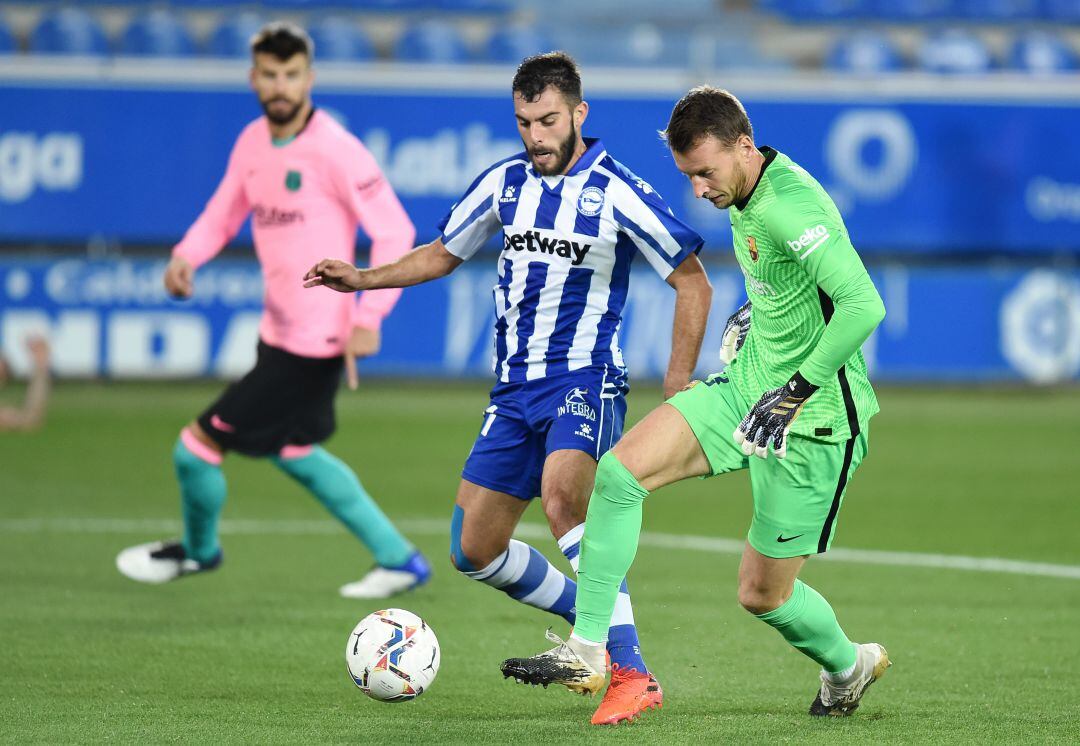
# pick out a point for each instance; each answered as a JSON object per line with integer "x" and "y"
{"x": 307, "y": 184}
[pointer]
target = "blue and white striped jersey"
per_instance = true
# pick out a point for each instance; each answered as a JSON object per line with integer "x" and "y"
{"x": 564, "y": 270}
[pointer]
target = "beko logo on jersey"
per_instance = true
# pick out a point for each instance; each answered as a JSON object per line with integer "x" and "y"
{"x": 537, "y": 241}
{"x": 812, "y": 238}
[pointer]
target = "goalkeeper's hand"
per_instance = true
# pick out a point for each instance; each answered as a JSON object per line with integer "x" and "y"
{"x": 770, "y": 419}
{"x": 738, "y": 326}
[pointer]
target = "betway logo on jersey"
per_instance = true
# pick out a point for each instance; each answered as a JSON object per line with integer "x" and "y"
{"x": 545, "y": 243}
{"x": 809, "y": 240}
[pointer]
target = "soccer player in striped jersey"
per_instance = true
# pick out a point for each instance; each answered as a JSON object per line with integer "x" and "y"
{"x": 572, "y": 220}
{"x": 798, "y": 387}
{"x": 307, "y": 183}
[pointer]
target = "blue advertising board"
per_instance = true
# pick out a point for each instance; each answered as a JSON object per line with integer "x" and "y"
{"x": 113, "y": 319}
{"x": 136, "y": 164}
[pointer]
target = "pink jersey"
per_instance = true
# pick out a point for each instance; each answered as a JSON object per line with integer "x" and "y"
{"x": 306, "y": 200}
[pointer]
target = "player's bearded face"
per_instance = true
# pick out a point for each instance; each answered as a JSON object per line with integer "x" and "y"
{"x": 552, "y": 158}
{"x": 716, "y": 172}
{"x": 548, "y": 130}
{"x": 283, "y": 87}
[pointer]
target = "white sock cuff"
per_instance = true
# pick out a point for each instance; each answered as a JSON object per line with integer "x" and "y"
{"x": 571, "y": 537}
{"x": 578, "y": 638}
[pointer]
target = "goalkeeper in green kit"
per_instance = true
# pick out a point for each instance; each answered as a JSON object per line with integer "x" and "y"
{"x": 793, "y": 408}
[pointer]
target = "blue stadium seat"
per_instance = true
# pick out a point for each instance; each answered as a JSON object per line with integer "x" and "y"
{"x": 514, "y": 43}
{"x": 640, "y": 45}
{"x": 157, "y": 33}
{"x": 7, "y": 39}
{"x": 864, "y": 52}
{"x": 233, "y": 37}
{"x": 998, "y": 11}
{"x": 432, "y": 41}
{"x": 1061, "y": 10}
{"x": 1042, "y": 53}
{"x": 818, "y": 11}
{"x": 339, "y": 39}
{"x": 954, "y": 51}
{"x": 915, "y": 11}
{"x": 68, "y": 30}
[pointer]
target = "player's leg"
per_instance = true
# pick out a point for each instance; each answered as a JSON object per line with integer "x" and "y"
{"x": 197, "y": 460}
{"x": 688, "y": 436}
{"x": 399, "y": 566}
{"x": 482, "y": 549}
{"x": 791, "y": 522}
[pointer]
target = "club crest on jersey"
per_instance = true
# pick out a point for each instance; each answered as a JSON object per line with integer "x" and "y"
{"x": 591, "y": 201}
{"x": 753, "y": 247}
{"x": 292, "y": 181}
{"x": 574, "y": 403}
{"x": 508, "y": 195}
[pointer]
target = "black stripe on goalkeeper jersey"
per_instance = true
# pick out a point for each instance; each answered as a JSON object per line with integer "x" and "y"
{"x": 770, "y": 155}
{"x": 853, "y": 427}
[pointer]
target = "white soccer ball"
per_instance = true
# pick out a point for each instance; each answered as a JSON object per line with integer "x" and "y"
{"x": 392, "y": 655}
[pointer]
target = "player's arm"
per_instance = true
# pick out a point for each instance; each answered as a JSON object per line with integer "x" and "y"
{"x": 470, "y": 223}
{"x": 219, "y": 221}
{"x": 670, "y": 246}
{"x": 693, "y": 297}
{"x": 32, "y": 414}
{"x": 819, "y": 243}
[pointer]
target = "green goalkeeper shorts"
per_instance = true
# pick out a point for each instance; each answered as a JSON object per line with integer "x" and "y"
{"x": 797, "y": 498}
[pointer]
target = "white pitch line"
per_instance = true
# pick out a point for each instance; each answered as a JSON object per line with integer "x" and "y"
{"x": 437, "y": 526}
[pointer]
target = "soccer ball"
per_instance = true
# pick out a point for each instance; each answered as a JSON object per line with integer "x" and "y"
{"x": 392, "y": 655}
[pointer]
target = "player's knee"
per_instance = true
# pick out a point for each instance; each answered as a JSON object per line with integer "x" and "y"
{"x": 615, "y": 482}
{"x": 759, "y": 599}
{"x": 194, "y": 446}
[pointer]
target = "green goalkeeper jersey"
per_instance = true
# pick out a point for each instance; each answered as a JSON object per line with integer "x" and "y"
{"x": 813, "y": 303}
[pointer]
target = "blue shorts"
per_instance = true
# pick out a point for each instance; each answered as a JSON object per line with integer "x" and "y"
{"x": 526, "y": 421}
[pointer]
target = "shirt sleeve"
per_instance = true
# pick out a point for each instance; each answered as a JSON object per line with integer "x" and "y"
{"x": 374, "y": 205}
{"x": 474, "y": 218}
{"x": 220, "y": 219}
{"x": 663, "y": 239}
{"x": 818, "y": 242}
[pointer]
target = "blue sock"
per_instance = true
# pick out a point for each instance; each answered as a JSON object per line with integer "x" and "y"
{"x": 202, "y": 495}
{"x": 525, "y": 575}
{"x": 622, "y": 643}
{"x": 339, "y": 490}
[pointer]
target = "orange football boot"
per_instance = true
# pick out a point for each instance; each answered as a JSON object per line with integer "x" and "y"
{"x": 628, "y": 695}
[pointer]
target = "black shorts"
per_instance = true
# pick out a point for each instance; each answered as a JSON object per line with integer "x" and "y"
{"x": 284, "y": 400}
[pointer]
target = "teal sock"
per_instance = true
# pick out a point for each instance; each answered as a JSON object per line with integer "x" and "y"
{"x": 808, "y": 622}
{"x": 339, "y": 490}
{"x": 202, "y": 495}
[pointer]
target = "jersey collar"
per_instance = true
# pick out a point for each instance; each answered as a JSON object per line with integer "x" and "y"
{"x": 770, "y": 156}
{"x": 286, "y": 140}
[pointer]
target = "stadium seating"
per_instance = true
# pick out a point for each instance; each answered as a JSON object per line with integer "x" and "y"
{"x": 1042, "y": 53}
{"x": 954, "y": 51}
{"x": 157, "y": 33}
{"x": 819, "y": 10}
{"x": 432, "y": 41}
{"x": 913, "y": 11}
{"x": 998, "y": 11}
{"x": 7, "y": 39}
{"x": 339, "y": 39}
{"x": 1062, "y": 10}
{"x": 233, "y": 37}
{"x": 68, "y": 30}
{"x": 864, "y": 52}
{"x": 639, "y": 45}
{"x": 514, "y": 43}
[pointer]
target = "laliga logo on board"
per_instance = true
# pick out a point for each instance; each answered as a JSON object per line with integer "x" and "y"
{"x": 52, "y": 162}
{"x": 591, "y": 201}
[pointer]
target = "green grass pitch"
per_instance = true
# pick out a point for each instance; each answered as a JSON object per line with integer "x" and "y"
{"x": 254, "y": 652}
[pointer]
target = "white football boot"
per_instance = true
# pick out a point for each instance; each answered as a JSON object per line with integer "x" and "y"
{"x": 161, "y": 561}
{"x": 576, "y": 665}
{"x": 840, "y": 700}
{"x": 384, "y": 582}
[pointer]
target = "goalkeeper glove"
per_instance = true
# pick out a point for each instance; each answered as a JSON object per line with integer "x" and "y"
{"x": 770, "y": 419}
{"x": 738, "y": 326}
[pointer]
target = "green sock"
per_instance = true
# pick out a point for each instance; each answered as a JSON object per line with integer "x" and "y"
{"x": 808, "y": 622}
{"x": 202, "y": 494}
{"x": 338, "y": 488}
{"x": 612, "y": 530}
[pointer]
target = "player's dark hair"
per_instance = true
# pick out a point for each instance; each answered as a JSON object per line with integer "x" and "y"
{"x": 706, "y": 111}
{"x": 555, "y": 69}
{"x": 282, "y": 40}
